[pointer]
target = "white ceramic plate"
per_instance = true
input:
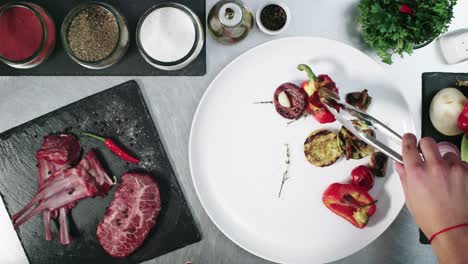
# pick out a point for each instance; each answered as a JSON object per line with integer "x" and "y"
{"x": 237, "y": 154}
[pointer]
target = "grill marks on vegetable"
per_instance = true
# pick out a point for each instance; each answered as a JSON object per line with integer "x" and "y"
{"x": 351, "y": 146}
{"x": 93, "y": 34}
{"x": 360, "y": 100}
{"x": 297, "y": 99}
{"x": 321, "y": 148}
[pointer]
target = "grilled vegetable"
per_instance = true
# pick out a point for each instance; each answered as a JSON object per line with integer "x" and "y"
{"x": 378, "y": 164}
{"x": 351, "y": 146}
{"x": 362, "y": 178}
{"x": 314, "y": 105}
{"x": 321, "y": 148}
{"x": 351, "y": 203}
{"x": 360, "y": 100}
{"x": 290, "y": 101}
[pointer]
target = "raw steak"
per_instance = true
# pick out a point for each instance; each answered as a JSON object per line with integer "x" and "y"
{"x": 130, "y": 216}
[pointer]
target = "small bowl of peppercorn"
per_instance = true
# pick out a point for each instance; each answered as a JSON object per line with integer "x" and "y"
{"x": 273, "y": 17}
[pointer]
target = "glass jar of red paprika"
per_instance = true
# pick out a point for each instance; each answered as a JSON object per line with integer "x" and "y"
{"x": 27, "y": 34}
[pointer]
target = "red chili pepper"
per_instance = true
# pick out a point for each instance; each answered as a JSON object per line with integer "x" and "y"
{"x": 315, "y": 107}
{"x": 353, "y": 204}
{"x": 463, "y": 119}
{"x": 116, "y": 149}
{"x": 406, "y": 9}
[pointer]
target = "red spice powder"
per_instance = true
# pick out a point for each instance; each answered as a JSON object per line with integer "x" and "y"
{"x": 21, "y": 33}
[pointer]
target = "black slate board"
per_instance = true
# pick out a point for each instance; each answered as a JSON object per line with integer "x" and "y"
{"x": 132, "y": 64}
{"x": 121, "y": 113}
{"x": 433, "y": 82}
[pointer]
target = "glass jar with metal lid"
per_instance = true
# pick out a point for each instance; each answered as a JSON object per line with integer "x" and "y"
{"x": 230, "y": 21}
{"x": 27, "y": 34}
{"x": 95, "y": 35}
{"x": 170, "y": 36}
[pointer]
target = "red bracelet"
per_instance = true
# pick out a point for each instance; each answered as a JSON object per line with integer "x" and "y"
{"x": 445, "y": 230}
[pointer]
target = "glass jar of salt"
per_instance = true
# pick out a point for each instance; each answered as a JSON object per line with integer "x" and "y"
{"x": 230, "y": 21}
{"x": 170, "y": 36}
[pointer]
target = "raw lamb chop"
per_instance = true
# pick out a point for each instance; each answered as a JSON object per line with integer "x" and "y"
{"x": 57, "y": 153}
{"x": 130, "y": 216}
{"x": 63, "y": 189}
{"x": 90, "y": 165}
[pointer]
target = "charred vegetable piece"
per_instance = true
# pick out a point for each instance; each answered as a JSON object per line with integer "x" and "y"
{"x": 351, "y": 146}
{"x": 362, "y": 178}
{"x": 360, "y": 100}
{"x": 378, "y": 164}
{"x": 350, "y": 202}
{"x": 290, "y": 101}
{"x": 314, "y": 105}
{"x": 321, "y": 148}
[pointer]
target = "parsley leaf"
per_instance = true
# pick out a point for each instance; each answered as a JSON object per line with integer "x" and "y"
{"x": 390, "y": 31}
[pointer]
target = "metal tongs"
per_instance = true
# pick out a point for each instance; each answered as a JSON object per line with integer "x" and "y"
{"x": 332, "y": 102}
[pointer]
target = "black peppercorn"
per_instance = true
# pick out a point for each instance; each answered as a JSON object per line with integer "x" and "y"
{"x": 273, "y": 17}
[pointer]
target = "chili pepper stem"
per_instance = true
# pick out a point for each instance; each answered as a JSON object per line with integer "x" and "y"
{"x": 93, "y": 136}
{"x": 308, "y": 70}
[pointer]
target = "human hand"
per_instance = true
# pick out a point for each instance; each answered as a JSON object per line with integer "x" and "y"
{"x": 436, "y": 187}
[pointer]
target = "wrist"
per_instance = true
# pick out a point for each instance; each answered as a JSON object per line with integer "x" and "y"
{"x": 450, "y": 246}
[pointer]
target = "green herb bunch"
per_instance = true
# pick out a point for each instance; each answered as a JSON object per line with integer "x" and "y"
{"x": 390, "y": 31}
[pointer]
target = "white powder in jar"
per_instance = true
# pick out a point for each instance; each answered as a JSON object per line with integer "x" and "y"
{"x": 167, "y": 34}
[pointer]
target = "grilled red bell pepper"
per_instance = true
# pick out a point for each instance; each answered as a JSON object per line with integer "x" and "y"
{"x": 463, "y": 119}
{"x": 314, "y": 106}
{"x": 351, "y": 203}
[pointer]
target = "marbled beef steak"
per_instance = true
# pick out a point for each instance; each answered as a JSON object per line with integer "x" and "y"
{"x": 130, "y": 216}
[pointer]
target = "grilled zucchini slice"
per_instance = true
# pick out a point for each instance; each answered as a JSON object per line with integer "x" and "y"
{"x": 351, "y": 146}
{"x": 321, "y": 148}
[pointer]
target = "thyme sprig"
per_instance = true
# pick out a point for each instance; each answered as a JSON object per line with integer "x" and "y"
{"x": 264, "y": 102}
{"x": 285, "y": 173}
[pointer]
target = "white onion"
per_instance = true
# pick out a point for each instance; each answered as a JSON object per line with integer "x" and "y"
{"x": 445, "y": 108}
{"x": 447, "y": 147}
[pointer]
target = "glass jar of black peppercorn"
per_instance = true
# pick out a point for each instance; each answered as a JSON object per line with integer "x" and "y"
{"x": 95, "y": 35}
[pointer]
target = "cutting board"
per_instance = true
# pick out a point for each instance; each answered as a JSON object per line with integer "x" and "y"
{"x": 432, "y": 83}
{"x": 119, "y": 113}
